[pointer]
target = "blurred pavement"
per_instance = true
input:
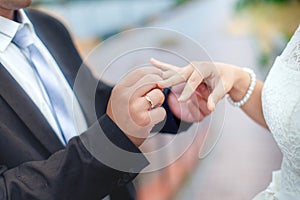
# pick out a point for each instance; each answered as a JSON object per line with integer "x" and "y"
{"x": 242, "y": 162}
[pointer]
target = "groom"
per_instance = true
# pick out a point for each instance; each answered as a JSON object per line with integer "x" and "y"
{"x": 41, "y": 156}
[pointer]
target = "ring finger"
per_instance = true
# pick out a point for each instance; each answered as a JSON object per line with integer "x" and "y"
{"x": 152, "y": 99}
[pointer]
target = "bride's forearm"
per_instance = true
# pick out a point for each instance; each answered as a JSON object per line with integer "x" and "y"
{"x": 253, "y": 107}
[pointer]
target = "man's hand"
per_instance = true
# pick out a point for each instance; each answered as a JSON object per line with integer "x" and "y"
{"x": 129, "y": 108}
{"x": 192, "y": 110}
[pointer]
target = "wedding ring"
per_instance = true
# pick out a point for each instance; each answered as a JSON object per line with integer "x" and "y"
{"x": 150, "y": 101}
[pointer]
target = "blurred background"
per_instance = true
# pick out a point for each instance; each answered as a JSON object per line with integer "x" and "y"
{"x": 243, "y": 32}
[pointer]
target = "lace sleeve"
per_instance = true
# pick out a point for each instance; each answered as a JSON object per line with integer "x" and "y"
{"x": 291, "y": 55}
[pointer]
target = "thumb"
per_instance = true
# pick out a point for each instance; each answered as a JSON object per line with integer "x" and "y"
{"x": 216, "y": 95}
{"x": 211, "y": 105}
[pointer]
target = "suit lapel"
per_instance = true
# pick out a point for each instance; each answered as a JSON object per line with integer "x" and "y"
{"x": 27, "y": 111}
{"x": 65, "y": 54}
{"x": 62, "y": 49}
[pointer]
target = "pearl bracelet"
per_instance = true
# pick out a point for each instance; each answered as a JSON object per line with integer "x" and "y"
{"x": 249, "y": 92}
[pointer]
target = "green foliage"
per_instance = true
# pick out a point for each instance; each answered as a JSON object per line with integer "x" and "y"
{"x": 264, "y": 59}
{"x": 39, "y": 2}
{"x": 244, "y": 3}
{"x": 179, "y": 2}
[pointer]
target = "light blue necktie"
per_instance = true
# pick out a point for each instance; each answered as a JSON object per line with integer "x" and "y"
{"x": 24, "y": 40}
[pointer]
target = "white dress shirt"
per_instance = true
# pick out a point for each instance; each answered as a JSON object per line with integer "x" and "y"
{"x": 15, "y": 62}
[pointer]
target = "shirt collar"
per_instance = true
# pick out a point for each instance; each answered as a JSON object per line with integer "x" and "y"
{"x": 8, "y": 28}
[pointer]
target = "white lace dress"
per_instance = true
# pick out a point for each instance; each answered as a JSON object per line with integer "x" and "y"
{"x": 281, "y": 107}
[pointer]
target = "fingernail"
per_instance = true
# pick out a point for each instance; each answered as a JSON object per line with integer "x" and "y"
{"x": 212, "y": 106}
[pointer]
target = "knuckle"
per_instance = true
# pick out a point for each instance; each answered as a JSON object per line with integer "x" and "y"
{"x": 161, "y": 96}
{"x": 133, "y": 108}
{"x": 124, "y": 95}
{"x": 138, "y": 116}
{"x": 144, "y": 119}
{"x": 183, "y": 75}
{"x": 119, "y": 89}
{"x": 116, "y": 93}
{"x": 140, "y": 71}
{"x": 193, "y": 79}
{"x": 191, "y": 67}
{"x": 146, "y": 70}
{"x": 152, "y": 78}
{"x": 115, "y": 90}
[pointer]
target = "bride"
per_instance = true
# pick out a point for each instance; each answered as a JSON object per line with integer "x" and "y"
{"x": 274, "y": 104}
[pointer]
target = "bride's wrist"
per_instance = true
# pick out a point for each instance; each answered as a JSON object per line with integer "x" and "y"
{"x": 240, "y": 85}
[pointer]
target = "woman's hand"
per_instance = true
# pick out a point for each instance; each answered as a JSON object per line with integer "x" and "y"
{"x": 192, "y": 110}
{"x": 219, "y": 77}
{"x": 129, "y": 108}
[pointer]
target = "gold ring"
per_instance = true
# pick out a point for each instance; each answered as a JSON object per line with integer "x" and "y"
{"x": 150, "y": 101}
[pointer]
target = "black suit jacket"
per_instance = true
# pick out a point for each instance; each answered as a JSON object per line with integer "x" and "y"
{"x": 33, "y": 162}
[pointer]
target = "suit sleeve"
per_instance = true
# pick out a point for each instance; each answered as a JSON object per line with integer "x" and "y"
{"x": 74, "y": 172}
